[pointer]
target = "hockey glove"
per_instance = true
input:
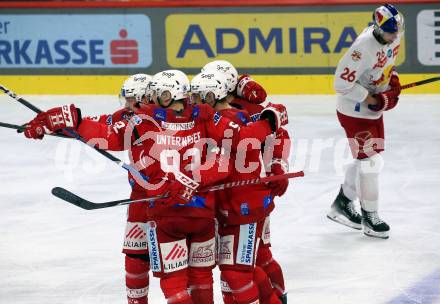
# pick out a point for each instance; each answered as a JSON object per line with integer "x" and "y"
{"x": 276, "y": 115}
{"x": 181, "y": 188}
{"x": 386, "y": 101}
{"x": 67, "y": 116}
{"x": 278, "y": 167}
{"x": 250, "y": 90}
{"x": 394, "y": 82}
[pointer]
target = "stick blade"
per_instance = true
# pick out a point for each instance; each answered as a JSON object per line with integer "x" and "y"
{"x": 73, "y": 199}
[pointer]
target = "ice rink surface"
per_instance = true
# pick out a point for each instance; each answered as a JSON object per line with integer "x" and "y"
{"x": 52, "y": 252}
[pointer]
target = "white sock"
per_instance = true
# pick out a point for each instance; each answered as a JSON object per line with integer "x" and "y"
{"x": 369, "y": 169}
{"x": 351, "y": 176}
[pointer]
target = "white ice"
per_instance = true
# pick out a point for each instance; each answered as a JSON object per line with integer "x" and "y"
{"x": 53, "y": 252}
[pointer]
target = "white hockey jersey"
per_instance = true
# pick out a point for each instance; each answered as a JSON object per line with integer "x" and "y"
{"x": 364, "y": 69}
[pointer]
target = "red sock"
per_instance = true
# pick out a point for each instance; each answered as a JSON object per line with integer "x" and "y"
{"x": 174, "y": 287}
{"x": 272, "y": 269}
{"x": 228, "y": 298}
{"x": 200, "y": 284}
{"x": 136, "y": 279}
{"x": 243, "y": 288}
{"x": 265, "y": 289}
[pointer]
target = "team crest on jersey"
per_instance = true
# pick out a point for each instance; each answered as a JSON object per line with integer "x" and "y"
{"x": 109, "y": 120}
{"x": 160, "y": 114}
{"x": 356, "y": 55}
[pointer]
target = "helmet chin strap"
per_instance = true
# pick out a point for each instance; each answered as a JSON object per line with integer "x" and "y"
{"x": 138, "y": 102}
{"x": 377, "y": 33}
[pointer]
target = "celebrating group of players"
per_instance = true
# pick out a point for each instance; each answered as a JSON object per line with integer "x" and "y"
{"x": 183, "y": 137}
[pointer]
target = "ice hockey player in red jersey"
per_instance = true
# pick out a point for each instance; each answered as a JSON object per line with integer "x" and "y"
{"x": 242, "y": 211}
{"x": 134, "y": 94}
{"x": 239, "y": 87}
{"x": 367, "y": 84}
{"x": 168, "y": 145}
{"x": 246, "y": 94}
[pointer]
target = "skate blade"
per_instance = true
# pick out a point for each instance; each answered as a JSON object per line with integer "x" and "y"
{"x": 336, "y": 217}
{"x": 371, "y": 233}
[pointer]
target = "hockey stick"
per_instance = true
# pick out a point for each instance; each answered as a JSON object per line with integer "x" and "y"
{"x": 27, "y": 104}
{"x": 11, "y": 126}
{"x": 421, "y": 82}
{"x": 21, "y": 128}
{"x": 254, "y": 181}
{"x": 74, "y": 199}
{"x": 75, "y": 135}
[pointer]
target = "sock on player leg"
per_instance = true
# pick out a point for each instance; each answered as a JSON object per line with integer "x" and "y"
{"x": 243, "y": 288}
{"x": 175, "y": 288}
{"x": 200, "y": 285}
{"x": 136, "y": 278}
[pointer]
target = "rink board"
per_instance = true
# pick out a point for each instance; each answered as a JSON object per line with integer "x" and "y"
{"x": 110, "y": 85}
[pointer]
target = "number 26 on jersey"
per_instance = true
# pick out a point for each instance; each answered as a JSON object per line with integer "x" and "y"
{"x": 348, "y": 75}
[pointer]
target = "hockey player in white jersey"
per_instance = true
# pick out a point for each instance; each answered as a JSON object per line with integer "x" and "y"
{"x": 367, "y": 84}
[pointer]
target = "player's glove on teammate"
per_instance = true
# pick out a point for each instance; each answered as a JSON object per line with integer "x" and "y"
{"x": 276, "y": 115}
{"x": 278, "y": 188}
{"x": 250, "y": 90}
{"x": 180, "y": 188}
{"x": 67, "y": 116}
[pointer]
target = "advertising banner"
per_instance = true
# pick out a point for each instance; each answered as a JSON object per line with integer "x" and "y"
{"x": 263, "y": 40}
{"x": 75, "y": 41}
{"x": 428, "y": 37}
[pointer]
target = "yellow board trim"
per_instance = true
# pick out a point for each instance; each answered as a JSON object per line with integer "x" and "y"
{"x": 110, "y": 85}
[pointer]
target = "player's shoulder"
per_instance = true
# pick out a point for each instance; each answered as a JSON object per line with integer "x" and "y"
{"x": 202, "y": 111}
{"x": 240, "y": 116}
{"x": 249, "y": 107}
{"x": 121, "y": 114}
{"x": 146, "y": 109}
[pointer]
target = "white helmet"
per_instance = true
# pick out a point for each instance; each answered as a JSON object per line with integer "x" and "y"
{"x": 136, "y": 86}
{"x": 227, "y": 69}
{"x": 210, "y": 81}
{"x": 174, "y": 81}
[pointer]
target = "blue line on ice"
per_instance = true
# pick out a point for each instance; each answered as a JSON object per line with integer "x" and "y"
{"x": 423, "y": 292}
